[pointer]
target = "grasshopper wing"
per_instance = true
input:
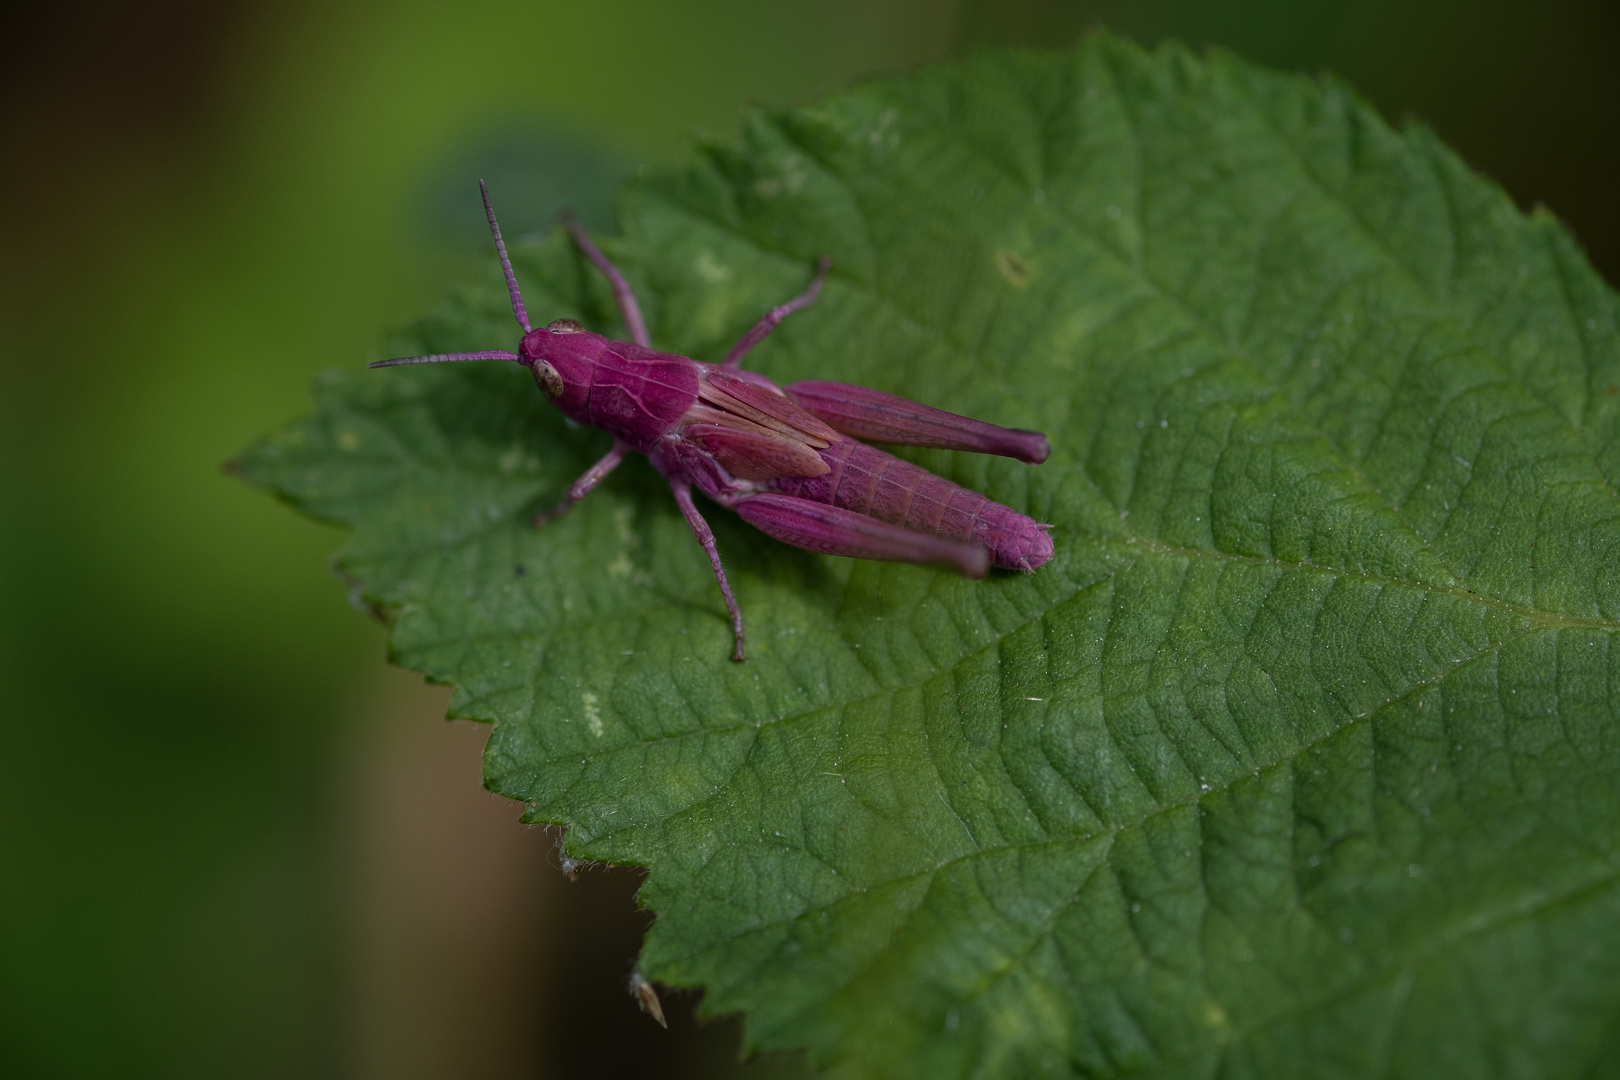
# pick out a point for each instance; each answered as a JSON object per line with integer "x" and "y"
{"x": 863, "y": 413}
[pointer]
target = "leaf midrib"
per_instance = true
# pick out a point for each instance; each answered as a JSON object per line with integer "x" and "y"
{"x": 1106, "y": 830}
{"x": 1542, "y": 619}
{"x": 1538, "y": 622}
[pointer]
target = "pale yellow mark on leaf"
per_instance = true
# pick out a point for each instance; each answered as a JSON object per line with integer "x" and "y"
{"x": 348, "y": 440}
{"x": 621, "y": 525}
{"x": 1215, "y": 1016}
{"x": 709, "y": 268}
{"x": 510, "y": 460}
{"x": 883, "y": 131}
{"x": 622, "y": 566}
{"x": 793, "y": 173}
{"x": 593, "y": 718}
{"x": 1013, "y": 268}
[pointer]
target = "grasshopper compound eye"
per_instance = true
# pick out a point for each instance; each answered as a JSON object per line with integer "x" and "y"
{"x": 547, "y": 379}
{"x": 565, "y": 326}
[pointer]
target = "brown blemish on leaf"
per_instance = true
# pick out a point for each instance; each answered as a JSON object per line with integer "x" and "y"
{"x": 1013, "y": 268}
{"x": 647, "y": 998}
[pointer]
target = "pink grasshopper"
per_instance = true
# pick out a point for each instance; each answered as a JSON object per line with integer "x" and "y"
{"x": 786, "y": 459}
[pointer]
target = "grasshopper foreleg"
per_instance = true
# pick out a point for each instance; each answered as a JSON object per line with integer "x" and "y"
{"x": 583, "y": 486}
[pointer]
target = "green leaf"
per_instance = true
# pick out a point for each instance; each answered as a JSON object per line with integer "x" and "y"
{"x": 1301, "y": 756}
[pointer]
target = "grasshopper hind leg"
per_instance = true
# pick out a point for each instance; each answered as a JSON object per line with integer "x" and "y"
{"x": 623, "y": 295}
{"x": 832, "y": 530}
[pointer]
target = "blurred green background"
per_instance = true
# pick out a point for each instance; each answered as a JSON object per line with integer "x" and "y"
{"x": 232, "y": 842}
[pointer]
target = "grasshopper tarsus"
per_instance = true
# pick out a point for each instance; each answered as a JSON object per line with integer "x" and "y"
{"x": 546, "y": 517}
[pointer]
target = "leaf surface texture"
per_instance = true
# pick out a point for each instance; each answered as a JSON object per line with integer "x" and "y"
{"x": 1301, "y": 756}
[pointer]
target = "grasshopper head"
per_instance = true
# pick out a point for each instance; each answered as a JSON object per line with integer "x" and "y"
{"x": 562, "y": 355}
{"x": 539, "y": 350}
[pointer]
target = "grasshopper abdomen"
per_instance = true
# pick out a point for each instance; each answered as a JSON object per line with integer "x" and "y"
{"x": 869, "y": 481}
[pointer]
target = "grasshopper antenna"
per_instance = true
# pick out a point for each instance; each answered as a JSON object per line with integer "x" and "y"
{"x": 511, "y": 287}
{"x": 506, "y": 264}
{"x": 450, "y": 357}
